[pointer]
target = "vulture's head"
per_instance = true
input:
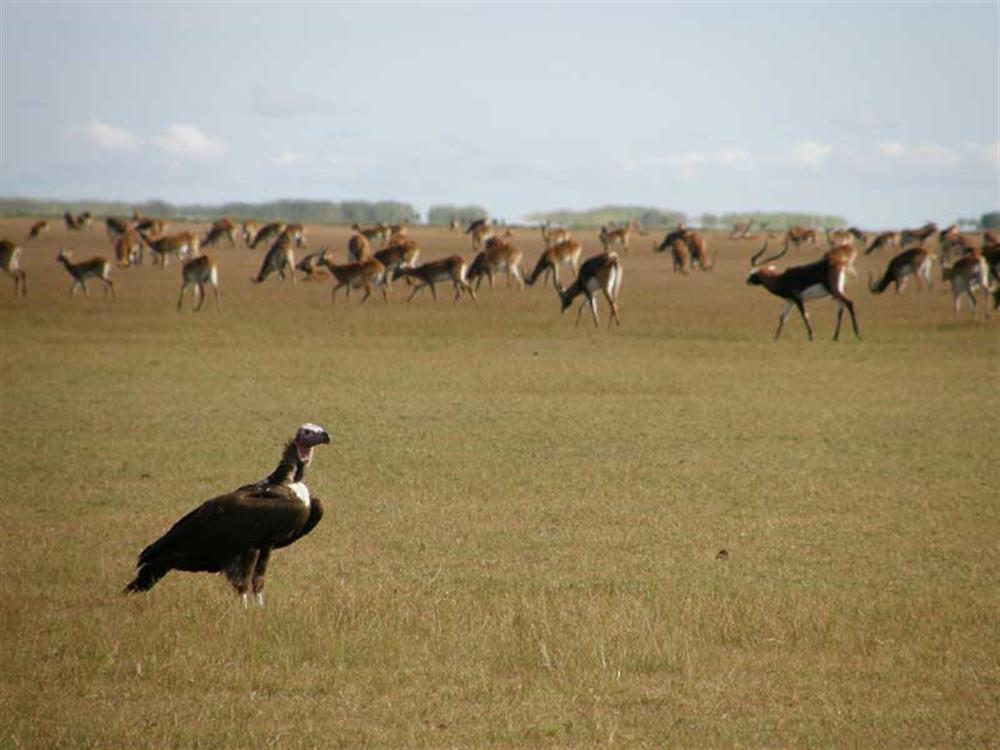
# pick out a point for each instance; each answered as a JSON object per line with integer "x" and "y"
{"x": 306, "y": 438}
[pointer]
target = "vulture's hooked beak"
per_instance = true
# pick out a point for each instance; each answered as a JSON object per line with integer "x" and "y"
{"x": 310, "y": 435}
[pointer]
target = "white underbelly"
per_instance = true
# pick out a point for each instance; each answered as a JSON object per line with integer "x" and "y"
{"x": 816, "y": 291}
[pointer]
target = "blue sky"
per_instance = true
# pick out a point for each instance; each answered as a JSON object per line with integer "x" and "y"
{"x": 886, "y": 113}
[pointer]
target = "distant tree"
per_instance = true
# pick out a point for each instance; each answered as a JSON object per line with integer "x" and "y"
{"x": 990, "y": 221}
{"x": 443, "y": 214}
{"x": 709, "y": 221}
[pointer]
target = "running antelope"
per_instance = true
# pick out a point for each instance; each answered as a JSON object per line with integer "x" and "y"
{"x": 966, "y": 275}
{"x": 453, "y": 269}
{"x": 883, "y": 239}
{"x": 497, "y": 256}
{"x": 618, "y": 235}
{"x": 358, "y": 247}
{"x": 366, "y": 274}
{"x": 917, "y": 235}
{"x": 601, "y": 273}
{"x": 197, "y": 272}
{"x": 823, "y": 278}
{"x": 37, "y": 229}
{"x": 553, "y": 236}
{"x": 10, "y": 263}
{"x": 915, "y": 262}
{"x": 221, "y": 228}
{"x": 266, "y": 232}
{"x": 565, "y": 253}
{"x": 280, "y": 258}
{"x": 97, "y": 268}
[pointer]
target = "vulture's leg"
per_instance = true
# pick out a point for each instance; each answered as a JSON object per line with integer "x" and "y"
{"x": 239, "y": 572}
{"x": 260, "y": 569}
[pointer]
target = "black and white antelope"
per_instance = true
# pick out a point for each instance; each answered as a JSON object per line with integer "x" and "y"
{"x": 280, "y": 259}
{"x": 883, "y": 239}
{"x": 115, "y": 226}
{"x": 915, "y": 262}
{"x": 95, "y": 268}
{"x": 37, "y": 229}
{"x": 497, "y": 256}
{"x": 566, "y": 253}
{"x": 10, "y": 264}
{"x": 823, "y": 278}
{"x": 196, "y": 273}
{"x": 601, "y": 273}
{"x": 366, "y": 274}
{"x": 453, "y": 269}
{"x": 919, "y": 236}
{"x": 966, "y": 275}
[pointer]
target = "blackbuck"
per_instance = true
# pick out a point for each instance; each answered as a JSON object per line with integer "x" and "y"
{"x": 453, "y": 269}
{"x": 395, "y": 257}
{"x": 968, "y": 273}
{"x": 883, "y": 239}
{"x": 115, "y": 226}
{"x": 619, "y": 235}
{"x": 10, "y": 263}
{"x": 497, "y": 256}
{"x": 798, "y": 236}
{"x": 313, "y": 265}
{"x": 267, "y": 232}
{"x": 552, "y": 236}
{"x": 919, "y": 236}
{"x": 916, "y": 262}
{"x": 37, "y": 229}
{"x": 566, "y": 253}
{"x": 196, "y": 273}
{"x": 180, "y": 245}
{"x": 95, "y": 268}
{"x": 280, "y": 259}
{"x": 128, "y": 248}
{"x": 223, "y": 227}
{"x": 823, "y": 278}
{"x": 248, "y": 230}
{"x": 601, "y": 273}
{"x": 358, "y": 247}
{"x": 361, "y": 274}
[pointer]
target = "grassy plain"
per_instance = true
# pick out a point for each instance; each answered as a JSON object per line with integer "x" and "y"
{"x": 523, "y": 517}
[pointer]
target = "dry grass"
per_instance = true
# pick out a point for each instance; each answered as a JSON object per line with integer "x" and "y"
{"x": 523, "y": 517}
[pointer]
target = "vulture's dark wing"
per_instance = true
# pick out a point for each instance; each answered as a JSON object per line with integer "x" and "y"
{"x": 315, "y": 514}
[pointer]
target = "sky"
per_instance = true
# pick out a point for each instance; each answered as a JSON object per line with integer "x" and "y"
{"x": 885, "y": 113}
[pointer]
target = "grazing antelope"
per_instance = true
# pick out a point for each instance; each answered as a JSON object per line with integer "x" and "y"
{"x": 128, "y": 248}
{"x": 10, "y": 263}
{"x": 916, "y": 262}
{"x": 399, "y": 256}
{"x": 312, "y": 265}
{"x": 37, "y": 229}
{"x": 600, "y": 273}
{"x": 197, "y": 272}
{"x": 358, "y": 247}
{"x": 97, "y": 268}
{"x": 268, "y": 231}
{"x": 280, "y": 258}
{"x": 367, "y": 274}
{"x": 181, "y": 245}
{"x": 618, "y": 235}
{"x": 497, "y": 256}
{"x": 115, "y": 226}
{"x": 966, "y": 275}
{"x": 453, "y": 269}
{"x": 248, "y": 231}
{"x": 883, "y": 239}
{"x": 221, "y": 228}
{"x": 565, "y": 253}
{"x": 71, "y": 222}
{"x": 823, "y": 278}
{"x": 553, "y": 236}
{"x": 917, "y": 235}
{"x": 799, "y": 235}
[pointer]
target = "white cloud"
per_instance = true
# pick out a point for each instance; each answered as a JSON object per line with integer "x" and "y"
{"x": 187, "y": 141}
{"x": 110, "y": 137}
{"x": 811, "y": 154}
{"x": 287, "y": 158}
{"x": 935, "y": 155}
{"x": 892, "y": 149}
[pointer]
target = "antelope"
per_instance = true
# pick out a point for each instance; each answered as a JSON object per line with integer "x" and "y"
{"x": 843, "y": 236}
{"x": 678, "y": 250}
{"x": 197, "y": 272}
{"x": 990, "y": 237}
{"x": 83, "y": 220}
{"x": 399, "y": 256}
{"x": 221, "y": 228}
{"x": 498, "y": 256}
{"x": 991, "y": 254}
{"x": 966, "y": 274}
{"x": 822, "y": 278}
{"x": 181, "y": 245}
{"x": 916, "y": 262}
{"x": 370, "y": 233}
{"x": 311, "y": 264}
{"x": 741, "y": 229}
{"x": 274, "y": 229}
{"x": 883, "y": 239}
{"x": 451, "y": 269}
{"x": 279, "y": 258}
{"x": 128, "y": 248}
{"x": 798, "y": 235}
{"x": 600, "y": 273}
{"x": 454, "y": 227}
{"x": 71, "y": 222}
{"x": 399, "y": 229}
{"x": 98, "y": 268}
{"x": 358, "y": 247}
{"x": 367, "y": 273}
{"x": 479, "y": 234}
{"x": 553, "y": 236}
{"x": 37, "y": 229}
{"x": 565, "y": 253}
{"x": 476, "y": 223}
{"x": 10, "y": 263}
{"x": 151, "y": 227}
{"x": 917, "y": 235}
{"x": 298, "y": 234}
{"x": 618, "y": 235}
{"x": 248, "y": 231}
{"x": 115, "y": 226}
{"x": 952, "y": 242}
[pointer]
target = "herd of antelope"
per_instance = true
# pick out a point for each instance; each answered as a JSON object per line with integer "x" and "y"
{"x": 968, "y": 267}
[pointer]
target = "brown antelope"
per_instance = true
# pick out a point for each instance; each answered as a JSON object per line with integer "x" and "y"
{"x": 453, "y": 269}
{"x": 248, "y": 231}
{"x": 313, "y": 264}
{"x": 479, "y": 234}
{"x": 181, "y": 245}
{"x": 37, "y": 229}
{"x": 280, "y": 258}
{"x": 686, "y": 243}
{"x": 883, "y": 239}
{"x": 197, "y": 272}
{"x": 455, "y": 227}
{"x": 741, "y": 229}
{"x": 619, "y": 235}
{"x": 398, "y": 256}
{"x": 298, "y": 234}
{"x": 553, "y": 236}
{"x": 367, "y": 274}
{"x": 799, "y": 235}
{"x": 497, "y": 256}
{"x": 966, "y": 275}
{"x": 915, "y": 262}
{"x": 822, "y": 278}
{"x": 128, "y": 248}
{"x": 565, "y": 253}
{"x": 847, "y": 236}
{"x": 84, "y": 220}
{"x": 10, "y": 263}
{"x": 601, "y": 273}
{"x": 151, "y": 227}
{"x": 358, "y": 247}
{"x": 71, "y": 222}
{"x": 223, "y": 227}
{"x": 267, "y": 232}
{"x": 399, "y": 229}
{"x": 370, "y": 233}
{"x": 955, "y": 243}
{"x": 917, "y": 235}
{"x": 115, "y": 226}
{"x": 97, "y": 268}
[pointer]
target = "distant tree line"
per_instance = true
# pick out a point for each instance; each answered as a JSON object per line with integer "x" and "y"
{"x": 990, "y": 221}
{"x": 772, "y": 220}
{"x": 443, "y": 214}
{"x": 596, "y": 217}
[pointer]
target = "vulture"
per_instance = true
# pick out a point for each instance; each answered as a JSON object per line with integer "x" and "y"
{"x": 235, "y": 533}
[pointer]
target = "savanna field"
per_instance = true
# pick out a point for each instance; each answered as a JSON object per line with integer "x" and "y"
{"x": 523, "y": 517}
